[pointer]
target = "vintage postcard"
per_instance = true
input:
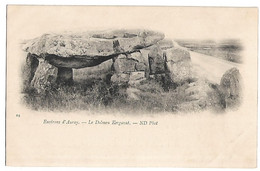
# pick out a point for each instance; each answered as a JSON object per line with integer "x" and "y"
{"x": 118, "y": 86}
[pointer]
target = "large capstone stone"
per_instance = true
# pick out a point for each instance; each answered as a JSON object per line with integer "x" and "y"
{"x": 156, "y": 61}
{"x": 230, "y": 86}
{"x": 44, "y": 77}
{"x": 164, "y": 44}
{"x": 89, "y": 48}
{"x": 86, "y": 49}
{"x": 178, "y": 64}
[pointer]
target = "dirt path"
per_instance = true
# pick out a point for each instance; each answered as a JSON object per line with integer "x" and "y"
{"x": 209, "y": 67}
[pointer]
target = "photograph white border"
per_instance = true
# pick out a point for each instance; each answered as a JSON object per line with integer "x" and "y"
{"x": 219, "y": 3}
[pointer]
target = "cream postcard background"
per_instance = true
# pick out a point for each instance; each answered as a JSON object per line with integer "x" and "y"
{"x": 203, "y": 139}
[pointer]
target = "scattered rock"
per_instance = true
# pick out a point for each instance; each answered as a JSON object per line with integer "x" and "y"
{"x": 120, "y": 78}
{"x": 230, "y": 87}
{"x": 198, "y": 91}
{"x": 199, "y": 95}
{"x": 132, "y": 93}
{"x": 136, "y": 78}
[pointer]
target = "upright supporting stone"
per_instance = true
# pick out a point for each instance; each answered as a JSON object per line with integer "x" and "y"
{"x": 124, "y": 65}
{"x": 156, "y": 61}
{"x": 178, "y": 65}
{"x": 65, "y": 76}
{"x": 30, "y": 68}
{"x": 44, "y": 77}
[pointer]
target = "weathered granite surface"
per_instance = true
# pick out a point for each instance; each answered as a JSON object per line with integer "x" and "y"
{"x": 230, "y": 86}
{"x": 86, "y": 49}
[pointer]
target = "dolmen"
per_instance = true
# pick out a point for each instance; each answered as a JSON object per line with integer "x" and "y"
{"x": 136, "y": 54}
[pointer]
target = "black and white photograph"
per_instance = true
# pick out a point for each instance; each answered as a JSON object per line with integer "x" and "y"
{"x": 131, "y": 70}
{"x": 131, "y": 86}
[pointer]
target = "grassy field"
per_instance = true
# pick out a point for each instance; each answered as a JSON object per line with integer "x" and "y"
{"x": 99, "y": 95}
{"x": 92, "y": 90}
